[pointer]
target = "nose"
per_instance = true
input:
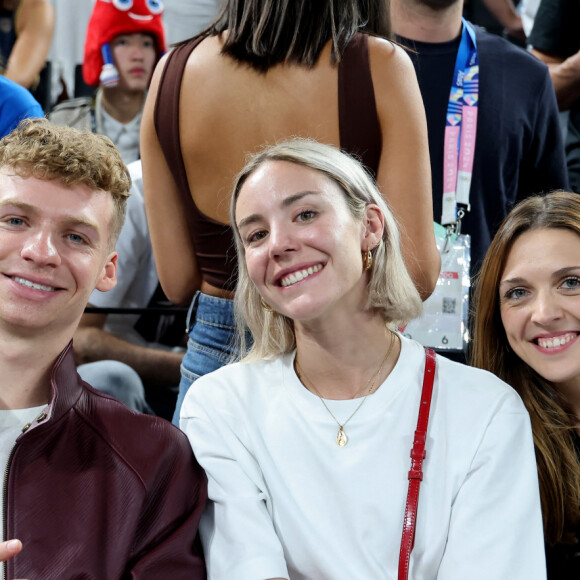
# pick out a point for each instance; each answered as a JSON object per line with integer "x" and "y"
{"x": 546, "y": 308}
{"x": 281, "y": 241}
{"x": 41, "y": 250}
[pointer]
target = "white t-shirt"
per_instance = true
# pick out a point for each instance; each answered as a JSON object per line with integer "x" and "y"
{"x": 286, "y": 501}
{"x": 136, "y": 273}
{"x": 12, "y": 422}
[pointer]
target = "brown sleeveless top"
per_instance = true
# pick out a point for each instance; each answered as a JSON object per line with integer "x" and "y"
{"x": 359, "y": 130}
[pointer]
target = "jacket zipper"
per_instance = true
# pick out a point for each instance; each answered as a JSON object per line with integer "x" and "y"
{"x": 5, "y": 505}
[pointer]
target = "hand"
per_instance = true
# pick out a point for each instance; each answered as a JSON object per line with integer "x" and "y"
{"x": 9, "y": 549}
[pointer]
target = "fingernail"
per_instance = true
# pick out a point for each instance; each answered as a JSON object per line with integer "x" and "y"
{"x": 13, "y": 545}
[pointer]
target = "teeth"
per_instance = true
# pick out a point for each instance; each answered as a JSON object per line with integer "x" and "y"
{"x": 556, "y": 341}
{"x": 300, "y": 275}
{"x": 30, "y": 284}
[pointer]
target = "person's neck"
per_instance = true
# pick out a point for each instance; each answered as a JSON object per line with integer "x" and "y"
{"x": 342, "y": 359}
{"x": 417, "y": 21}
{"x": 25, "y": 366}
{"x": 121, "y": 104}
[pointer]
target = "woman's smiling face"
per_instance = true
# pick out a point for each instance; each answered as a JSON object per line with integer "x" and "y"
{"x": 539, "y": 297}
{"x": 302, "y": 245}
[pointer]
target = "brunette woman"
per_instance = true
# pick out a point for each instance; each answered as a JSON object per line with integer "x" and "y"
{"x": 527, "y": 332}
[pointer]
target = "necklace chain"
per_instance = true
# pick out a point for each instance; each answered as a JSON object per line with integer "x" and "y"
{"x": 341, "y": 438}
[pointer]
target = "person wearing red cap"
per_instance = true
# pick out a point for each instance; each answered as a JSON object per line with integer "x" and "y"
{"x": 125, "y": 39}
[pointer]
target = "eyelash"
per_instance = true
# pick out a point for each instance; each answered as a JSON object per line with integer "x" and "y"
{"x": 509, "y": 295}
{"x": 575, "y": 279}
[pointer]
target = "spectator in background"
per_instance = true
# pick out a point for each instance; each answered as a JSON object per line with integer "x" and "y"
{"x": 518, "y": 147}
{"x": 121, "y": 49}
{"x": 26, "y": 30}
{"x": 16, "y": 104}
{"x": 121, "y": 354}
{"x": 555, "y": 40}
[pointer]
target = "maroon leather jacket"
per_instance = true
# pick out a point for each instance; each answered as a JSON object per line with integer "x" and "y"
{"x": 98, "y": 492}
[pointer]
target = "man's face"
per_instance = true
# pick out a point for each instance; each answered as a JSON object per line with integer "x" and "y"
{"x": 53, "y": 252}
{"x": 134, "y": 56}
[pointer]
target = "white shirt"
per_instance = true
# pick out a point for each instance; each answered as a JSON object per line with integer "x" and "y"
{"x": 136, "y": 273}
{"x": 286, "y": 501}
{"x": 12, "y": 421}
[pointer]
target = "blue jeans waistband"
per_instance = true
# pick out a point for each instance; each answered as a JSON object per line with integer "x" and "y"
{"x": 210, "y": 309}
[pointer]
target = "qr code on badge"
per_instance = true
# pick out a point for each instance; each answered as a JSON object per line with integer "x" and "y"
{"x": 449, "y": 305}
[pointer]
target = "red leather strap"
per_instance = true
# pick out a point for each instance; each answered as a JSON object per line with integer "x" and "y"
{"x": 416, "y": 472}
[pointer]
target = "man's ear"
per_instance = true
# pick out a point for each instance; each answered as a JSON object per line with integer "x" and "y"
{"x": 108, "y": 277}
{"x": 373, "y": 227}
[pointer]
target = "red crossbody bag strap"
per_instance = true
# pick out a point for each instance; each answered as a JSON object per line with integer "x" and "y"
{"x": 416, "y": 472}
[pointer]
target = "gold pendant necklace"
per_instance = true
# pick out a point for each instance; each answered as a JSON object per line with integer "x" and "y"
{"x": 341, "y": 437}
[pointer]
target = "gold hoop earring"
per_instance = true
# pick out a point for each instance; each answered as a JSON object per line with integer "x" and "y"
{"x": 367, "y": 259}
{"x": 266, "y": 306}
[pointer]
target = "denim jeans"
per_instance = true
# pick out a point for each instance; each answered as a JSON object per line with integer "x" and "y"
{"x": 211, "y": 345}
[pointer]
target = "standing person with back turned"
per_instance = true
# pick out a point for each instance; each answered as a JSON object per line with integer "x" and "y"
{"x": 306, "y": 442}
{"x": 262, "y": 74}
{"x": 92, "y": 489}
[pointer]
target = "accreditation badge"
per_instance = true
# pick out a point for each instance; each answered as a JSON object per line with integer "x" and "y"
{"x": 443, "y": 325}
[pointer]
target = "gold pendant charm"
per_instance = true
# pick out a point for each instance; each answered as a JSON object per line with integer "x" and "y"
{"x": 341, "y": 438}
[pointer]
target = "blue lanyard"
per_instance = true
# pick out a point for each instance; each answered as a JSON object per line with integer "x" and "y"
{"x": 460, "y": 127}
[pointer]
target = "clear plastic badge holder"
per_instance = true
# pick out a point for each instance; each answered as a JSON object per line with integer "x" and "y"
{"x": 443, "y": 325}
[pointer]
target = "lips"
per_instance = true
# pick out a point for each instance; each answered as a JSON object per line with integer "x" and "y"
{"x": 300, "y": 275}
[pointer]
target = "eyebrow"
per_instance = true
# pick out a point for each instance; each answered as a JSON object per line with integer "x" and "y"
{"x": 556, "y": 274}
{"x": 287, "y": 202}
{"x": 70, "y": 220}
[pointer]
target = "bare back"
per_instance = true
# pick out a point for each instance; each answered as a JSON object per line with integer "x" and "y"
{"x": 228, "y": 111}
{"x": 234, "y": 110}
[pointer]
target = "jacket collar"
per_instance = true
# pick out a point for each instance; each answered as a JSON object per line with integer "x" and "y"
{"x": 65, "y": 384}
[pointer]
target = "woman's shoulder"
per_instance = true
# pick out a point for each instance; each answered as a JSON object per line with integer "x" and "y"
{"x": 462, "y": 384}
{"x": 241, "y": 381}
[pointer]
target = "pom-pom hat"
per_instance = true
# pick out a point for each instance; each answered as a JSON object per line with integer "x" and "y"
{"x": 109, "y": 19}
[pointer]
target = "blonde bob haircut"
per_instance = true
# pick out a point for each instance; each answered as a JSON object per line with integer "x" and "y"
{"x": 391, "y": 291}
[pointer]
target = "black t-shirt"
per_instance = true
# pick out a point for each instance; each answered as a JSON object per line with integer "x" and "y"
{"x": 557, "y": 33}
{"x": 518, "y": 148}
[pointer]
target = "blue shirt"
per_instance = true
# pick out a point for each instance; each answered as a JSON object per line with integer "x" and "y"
{"x": 16, "y": 103}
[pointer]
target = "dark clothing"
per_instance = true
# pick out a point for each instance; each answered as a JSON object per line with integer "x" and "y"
{"x": 7, "y": 36}
{"x": 96, "y": 491}
{"x": 360, "y": 135}
{"x": 557, "y": 33}
{"x": 518, "y": 148}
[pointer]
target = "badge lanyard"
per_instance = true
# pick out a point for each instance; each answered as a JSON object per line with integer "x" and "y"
{"x": 460, "y": 131}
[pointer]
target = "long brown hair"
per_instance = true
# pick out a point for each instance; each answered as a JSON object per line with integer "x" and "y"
{"x": 553, "y": 421}
{"x": 264, "y": 33}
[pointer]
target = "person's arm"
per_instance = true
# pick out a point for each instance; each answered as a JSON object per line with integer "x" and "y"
{"x": 543, "y": 163}
{"x": 154, "y": 366}
{"x": 565, "y": 74}
{"x": 237, "y": 531}
{"x": 495, "y": 530}
{"x": 34, "y": 28}
{"x": 404, "y": 174}
{"x": 505, "y": 12}
{"x": 170, "y": 237}
{"x": 168, "y": 545}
